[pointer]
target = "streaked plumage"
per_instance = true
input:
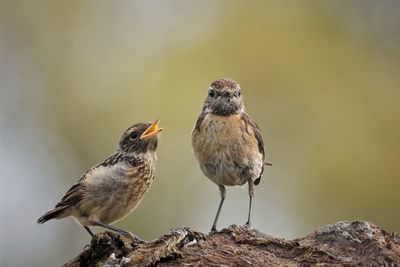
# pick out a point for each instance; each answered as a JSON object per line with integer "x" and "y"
{"x": 109, "y": 191}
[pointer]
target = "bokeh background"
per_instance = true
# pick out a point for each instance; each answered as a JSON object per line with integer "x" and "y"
{"x": 321, "y": 78}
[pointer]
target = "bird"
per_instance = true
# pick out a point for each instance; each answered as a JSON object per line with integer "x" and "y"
{"x": 112, "y": 189}
{"x": 227, "y": 142}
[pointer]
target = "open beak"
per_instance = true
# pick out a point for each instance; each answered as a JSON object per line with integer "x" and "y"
{"x": 153, "y": 130}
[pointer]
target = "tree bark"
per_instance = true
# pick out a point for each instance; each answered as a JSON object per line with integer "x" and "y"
{"x": 342, "y": 244}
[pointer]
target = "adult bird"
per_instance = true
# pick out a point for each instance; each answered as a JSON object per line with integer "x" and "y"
{"x": 227, "y": 142}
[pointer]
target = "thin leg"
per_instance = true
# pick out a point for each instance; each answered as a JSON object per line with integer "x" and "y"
{"x": 89, "y": 231}
{"x": 251, "y": 194}
{"x": 120, "y": 231}
{"x": 222, "y": 192}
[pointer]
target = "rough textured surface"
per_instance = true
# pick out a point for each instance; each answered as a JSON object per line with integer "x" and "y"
{"x": 341, "y": 244}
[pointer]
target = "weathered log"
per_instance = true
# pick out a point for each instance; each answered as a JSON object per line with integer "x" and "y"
{"x": 342, "y": 244}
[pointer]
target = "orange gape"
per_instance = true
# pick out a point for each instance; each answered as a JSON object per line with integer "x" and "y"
{"x": 111, "y": 190}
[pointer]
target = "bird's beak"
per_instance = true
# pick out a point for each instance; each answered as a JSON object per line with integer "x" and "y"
{"x": 152, "y": 130}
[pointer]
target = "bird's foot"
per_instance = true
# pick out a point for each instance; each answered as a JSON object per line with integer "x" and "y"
{"x": 248, "y": 224}
{"x": 135, "y": 239}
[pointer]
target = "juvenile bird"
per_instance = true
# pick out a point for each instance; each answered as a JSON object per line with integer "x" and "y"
{"x": 110, "y": 190}
{"x": 227, "y": 142}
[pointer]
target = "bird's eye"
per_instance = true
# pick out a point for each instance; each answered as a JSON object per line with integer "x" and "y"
{"x": 133, "y": 135}
{"x": 211, "y": 93}
{"x": 239, "y": 94}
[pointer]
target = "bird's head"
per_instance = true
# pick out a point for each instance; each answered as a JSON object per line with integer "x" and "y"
{"x": 140, "y": 137}
{"x": 224, "y": 98}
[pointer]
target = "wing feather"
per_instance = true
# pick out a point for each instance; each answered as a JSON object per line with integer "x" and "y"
{"x": 77, "y": 192}
{"x": 257, "y": 134}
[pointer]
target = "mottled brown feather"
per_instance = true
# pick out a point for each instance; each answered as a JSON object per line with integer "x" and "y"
{"x": 224, "y": 83}
{"x": 77, "y": 192}
{"x": 73, "y": 196}
{"x": 257, "y": 134}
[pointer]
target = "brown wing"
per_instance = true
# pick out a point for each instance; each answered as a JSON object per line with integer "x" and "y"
{"x": 199, "y": 121}
{"x": 77, "y": 192}
{"x": 73, "y": 196}
{"x": 257, "y": 134}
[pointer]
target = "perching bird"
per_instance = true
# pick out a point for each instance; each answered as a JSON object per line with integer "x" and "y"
{"x": 109, "y": 191}
{"x": 227, "y": 142}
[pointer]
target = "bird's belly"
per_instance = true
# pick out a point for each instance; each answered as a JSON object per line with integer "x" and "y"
{"x": 125, "y": 201}
{"x": 227, "y": 153}
{"x": 119, "y": 209}
{"x": 113, "y": 197}
{"x": 227, "y": 169}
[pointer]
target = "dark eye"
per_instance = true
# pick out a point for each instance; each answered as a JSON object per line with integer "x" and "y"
{"x": 211, "y": 93}
{"x": 239, "y": 94}
{"x": 133, "y": 135}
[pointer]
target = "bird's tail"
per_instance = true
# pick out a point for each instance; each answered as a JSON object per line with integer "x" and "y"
{"x": 52, "y": 214}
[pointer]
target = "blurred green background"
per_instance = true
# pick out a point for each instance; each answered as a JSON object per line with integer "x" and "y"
{"x": 321, "y": 78}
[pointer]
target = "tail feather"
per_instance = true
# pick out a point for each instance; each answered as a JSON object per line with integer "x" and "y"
{"x": 52, "y": 214}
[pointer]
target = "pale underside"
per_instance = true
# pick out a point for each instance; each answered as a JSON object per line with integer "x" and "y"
{"x": 227, "y": 150}
{"x": 113, "y": 192}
